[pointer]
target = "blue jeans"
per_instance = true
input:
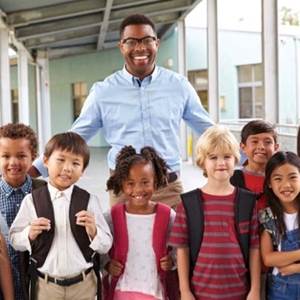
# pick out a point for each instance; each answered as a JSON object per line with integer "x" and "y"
{"x": 286, "y": 287}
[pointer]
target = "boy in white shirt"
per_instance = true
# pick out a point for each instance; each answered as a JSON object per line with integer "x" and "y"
{"x": 62, "y": 226}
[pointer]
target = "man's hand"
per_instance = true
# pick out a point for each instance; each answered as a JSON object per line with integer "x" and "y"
{"x": 33, "y": 172}
{"x": 114, "y": 268}
{"x": 166, "y": 263}
{"x": 37, "y": 226}
{"x": 87, "y": 219}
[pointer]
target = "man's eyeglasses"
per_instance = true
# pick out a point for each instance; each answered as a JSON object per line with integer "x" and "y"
{"x": 147, "y": 41}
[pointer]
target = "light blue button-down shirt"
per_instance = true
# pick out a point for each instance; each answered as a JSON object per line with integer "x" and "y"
{"x": 141, "y": 113}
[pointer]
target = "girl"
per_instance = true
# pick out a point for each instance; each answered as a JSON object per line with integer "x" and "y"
{"x": 280, "y": 238}
{"x": 139, "y": 257}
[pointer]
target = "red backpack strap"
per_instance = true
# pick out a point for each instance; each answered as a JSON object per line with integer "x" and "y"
{"x": 120, "y": 243}
{"x": 160, "y": 232}
{"x": 119, "y": 248}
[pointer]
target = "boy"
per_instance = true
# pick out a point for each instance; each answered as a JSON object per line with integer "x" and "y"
{"x": 259, "y": 143}
{"x": 62, "y": 226}
{"x": 215, "y": 230}
{"x": 18, "y": 148}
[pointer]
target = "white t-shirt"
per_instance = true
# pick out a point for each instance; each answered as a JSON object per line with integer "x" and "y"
{"x": 140, "y": 273}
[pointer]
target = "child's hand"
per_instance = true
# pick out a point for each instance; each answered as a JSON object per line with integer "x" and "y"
{"x": 253, "y": 295}
{"x": 289, "y": 269}
{"x": 87, "y": 219}
{"x": 166, "y": 263}
{"x": 114, "y": 268}
{"x": 187, "y": 295}
{"x": 37, "y": 226}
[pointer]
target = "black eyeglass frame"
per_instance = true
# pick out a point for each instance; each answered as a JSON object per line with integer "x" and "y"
{"x": 138, "y": 41}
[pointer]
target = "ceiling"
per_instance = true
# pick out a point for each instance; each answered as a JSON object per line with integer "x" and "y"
{"x": 71, "y": 27}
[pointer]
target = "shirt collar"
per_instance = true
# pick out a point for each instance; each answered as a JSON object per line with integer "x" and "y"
{"x": 25, "y": 188}
{"x": 56, "y": 193}
{"x": 134, "y": 79}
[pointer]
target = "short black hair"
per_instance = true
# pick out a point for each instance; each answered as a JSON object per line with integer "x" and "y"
{"x": 69, "y": 141}
{"x": 256, "y": 127}
{"x": 136, "y": 19}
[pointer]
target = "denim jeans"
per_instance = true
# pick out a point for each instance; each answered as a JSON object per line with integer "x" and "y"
{"x": 286, "y": 287}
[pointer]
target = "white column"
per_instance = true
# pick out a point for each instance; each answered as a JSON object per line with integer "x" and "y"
{"x": 5, "y": 94}
{"x": 297, "y": 55}
{"x": 181, "y": 49}
{"x": 43, "y": 99}
{"x": 212, "y": 53}
{"x": 23, "y": 83}
{"x": 270, "y": 59}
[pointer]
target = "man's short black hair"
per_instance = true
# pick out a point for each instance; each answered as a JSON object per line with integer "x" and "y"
{"x": 136, "y": 19}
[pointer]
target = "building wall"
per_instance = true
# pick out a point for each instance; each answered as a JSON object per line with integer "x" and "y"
{"x": 240, "y": 48}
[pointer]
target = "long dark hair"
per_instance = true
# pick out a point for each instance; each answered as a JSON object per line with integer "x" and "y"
{"x": 277, "y": 160}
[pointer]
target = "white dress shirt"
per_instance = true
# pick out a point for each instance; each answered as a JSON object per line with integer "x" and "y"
{"x": 64, "y": 258}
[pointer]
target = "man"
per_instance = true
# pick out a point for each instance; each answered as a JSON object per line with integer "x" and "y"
{"x": 141, "y": 105}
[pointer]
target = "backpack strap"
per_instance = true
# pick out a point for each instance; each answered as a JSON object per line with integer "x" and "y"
{"x": 244, "y": 207}
{"x": 159, "y": 233}
{"x": 237, "y": 179}
{"x": 193, "y": 205}
{"x": 36, "y": 183}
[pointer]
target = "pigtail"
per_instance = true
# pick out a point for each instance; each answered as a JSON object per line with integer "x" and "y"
{"x": 126, "y": 152}
{"x": 159, "y": 165}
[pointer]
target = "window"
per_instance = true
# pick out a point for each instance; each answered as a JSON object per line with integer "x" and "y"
{"x": 15, "y": 105}
{"x": 251, "y": 100}
{"x": 199, "y": 80}
{"x": 79, "y": 91}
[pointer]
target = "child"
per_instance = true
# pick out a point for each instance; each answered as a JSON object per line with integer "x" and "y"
{"x": 215, "y": 229}
{"x": 62, "y": 226}
{"x": 6, "y": 284}
{"x": 139, "y": 257}
{"x": 259, "y": 143}
{"x": 280, "y": 239}
{"x": 18, "y": 148}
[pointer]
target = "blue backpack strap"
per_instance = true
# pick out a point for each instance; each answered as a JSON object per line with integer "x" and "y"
{"x": 192, "y": 203}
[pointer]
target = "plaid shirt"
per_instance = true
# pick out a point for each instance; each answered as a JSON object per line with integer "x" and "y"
{"x": 10, "y": 201}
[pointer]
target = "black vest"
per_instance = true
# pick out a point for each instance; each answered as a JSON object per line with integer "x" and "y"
{"x": 43, "y": 206}
{"x": 193, "y": 205}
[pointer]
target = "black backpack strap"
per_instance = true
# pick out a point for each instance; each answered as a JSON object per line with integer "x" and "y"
{"x": 33, "y": 278}
{"x": 36, "y": 183}
{"x": 244, "y": 207}
{"x": 237, "y": 179}
{"x": 192, "y": 203}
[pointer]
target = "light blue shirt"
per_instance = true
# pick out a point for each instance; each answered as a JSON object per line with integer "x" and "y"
{"x": 141, "y": 113}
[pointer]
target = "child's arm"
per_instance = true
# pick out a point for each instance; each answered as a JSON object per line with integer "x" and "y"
{"x": 255, "y": 269}
{"x": 183, "y": 266}
{"x": 273, "y": 258}
{"x": 290, "y": 269}
{"x": 6, "y": 282}
{"x": 96, "y": 226}
{"x": 26, "y": 224}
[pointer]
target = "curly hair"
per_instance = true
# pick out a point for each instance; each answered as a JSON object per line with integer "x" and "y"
{"x": 21, "y": 131}
{"x": 127, "y": 158}
{"x": 68, "y": 141}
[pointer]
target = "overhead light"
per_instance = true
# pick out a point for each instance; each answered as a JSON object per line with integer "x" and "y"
{"x": 12, "y": 53}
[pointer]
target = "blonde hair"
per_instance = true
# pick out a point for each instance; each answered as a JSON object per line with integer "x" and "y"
{"x": 216, "y": 138}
